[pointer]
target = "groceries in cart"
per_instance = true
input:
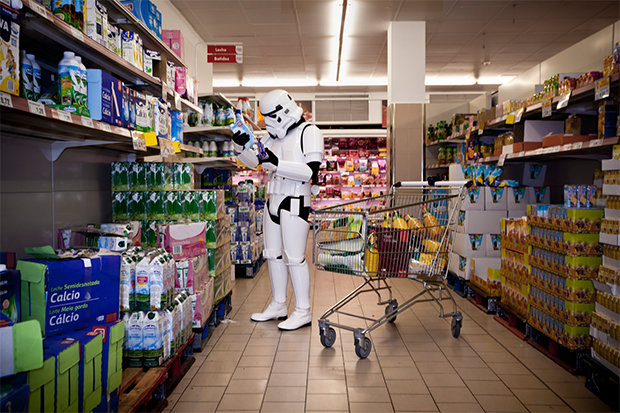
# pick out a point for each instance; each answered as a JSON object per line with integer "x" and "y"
{"x": 395, "y": 239}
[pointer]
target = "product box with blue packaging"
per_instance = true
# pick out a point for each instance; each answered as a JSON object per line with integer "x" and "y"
{"x": 129, "y": 108}
{"x": 66, "y": 353}
{"x": 9, "y": 297}
{"x": 14, "y": 395}
{"x": 91, "y": 348}
{"x": 65, "y": 295}
{"x": 105, "y": 97}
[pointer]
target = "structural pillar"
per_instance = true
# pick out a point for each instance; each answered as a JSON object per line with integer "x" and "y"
{"x": 406, "y": 96}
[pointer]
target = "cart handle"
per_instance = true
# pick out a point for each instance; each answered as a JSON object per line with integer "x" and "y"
{"x": 431, "y": 182}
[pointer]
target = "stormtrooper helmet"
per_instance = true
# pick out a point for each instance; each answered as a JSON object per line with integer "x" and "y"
{"x": 280, "y": 112}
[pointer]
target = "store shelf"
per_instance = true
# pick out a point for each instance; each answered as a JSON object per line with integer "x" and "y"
{"x": 251, "y": 122}
{"x": 218, "y": 99}
{"x": 220, "y": 162}
{"x": 352, "y": 186}
{"x": 437, "y": 166}
{"x": 595, "y": 146}
{"x": 457, "y": 139}
{"x": 207, "y": 130}
{"x": 122, "y": 17}
{"x": 190, "y": 148}
{"x": 50, "y": 32}
{"x": 179, "y": 103}
{"x": 610, "y": 165}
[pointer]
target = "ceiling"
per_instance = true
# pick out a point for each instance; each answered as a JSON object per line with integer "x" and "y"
{"x": 298, "y": 38}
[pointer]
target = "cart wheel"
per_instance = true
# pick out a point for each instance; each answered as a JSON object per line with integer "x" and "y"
{"x": 457, "y": 323}
{"x": 328, "y": 337}
{"x": 391, "y": 307}
{"x": 363, "y": 347}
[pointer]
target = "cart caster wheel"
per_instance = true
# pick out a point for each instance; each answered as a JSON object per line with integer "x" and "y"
{"x": 392, "y": 306}
{"x": 457, "y": 323}
{"x": 363, "y": 347}
{"x": 328, "y": 337}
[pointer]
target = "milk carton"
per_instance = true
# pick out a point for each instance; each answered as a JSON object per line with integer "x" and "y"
{"x": 128, "y": 280}
{"x": 152, "y": 343}
{"x": 135, "y": 341}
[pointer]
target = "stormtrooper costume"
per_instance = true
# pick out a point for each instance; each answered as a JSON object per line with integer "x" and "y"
{"x": 294, "y": 150}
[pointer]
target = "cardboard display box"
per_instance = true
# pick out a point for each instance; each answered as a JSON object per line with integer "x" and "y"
{"x": 113, "y": 335}
{"x": 21, "y": 348}
{"x": 535, "y": 130}
{"x": 469, "y": 245}
{"x": 495, "y": 199}
{"x": 42, "y": 382}
{"x": 65, "y": 295}
{"x": 67, "y": 356}
{"x": 480, "y": 222}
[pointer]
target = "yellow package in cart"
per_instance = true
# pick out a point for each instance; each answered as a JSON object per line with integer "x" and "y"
{"x": 9, "y": 51}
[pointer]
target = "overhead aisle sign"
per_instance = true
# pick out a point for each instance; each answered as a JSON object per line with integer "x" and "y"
{"x": 225, "y": 53}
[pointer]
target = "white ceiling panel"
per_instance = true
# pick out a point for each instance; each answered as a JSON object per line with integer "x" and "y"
{"x": 518, "y": 34}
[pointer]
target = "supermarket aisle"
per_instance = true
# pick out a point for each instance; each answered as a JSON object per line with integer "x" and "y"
{"x": 415, "y": 364}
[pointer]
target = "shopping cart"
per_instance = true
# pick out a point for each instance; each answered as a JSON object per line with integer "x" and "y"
{"x": 406, "y": 233}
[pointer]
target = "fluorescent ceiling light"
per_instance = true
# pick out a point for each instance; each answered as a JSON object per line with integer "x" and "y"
{"x": 355, "y": 82}
{"x": 226, "y": 83}
{"x": 494, "y": 80}
{"x": 271, "y": 82}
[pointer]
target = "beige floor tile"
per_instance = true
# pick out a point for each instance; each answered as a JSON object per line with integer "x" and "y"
{"x": 249, "y": 373}
{"x": 396, "y": 361}
{"x": 292, "y": 356}
{"x": 285, "y": 394}
{"x": 501, "y": 404}
{"x": 202, "y": 394}
{"x": 458, "y": 361}
{"x": 441, "y": 379}
{"x": 263, "y": 341}
{"x": 239, "y": 402}
{"x": 537, "y": 396}
{"x": 247, "y": 386}
{"x": 413, "y": 403}
{"x": 283, "y": 407}
{"x": 184, "y": 407}
{"x": 211, "y": 379}
{"x": 407, "y": 387}
{"x": 459, "y": 407}
{"x": 287, "y": 379}
{"x": 435, "y": 367}
{"x": 452, "y": 395}
{"x": 294, "y": 346}
{"x": 316, "y": 361}
{"x": 371, "y": 407}
{"x": 255, "y": 361}
{"x": 487, "y": 387}
{"x": 325, "y": 373}
{"x": 572, "y": 389}
{"x": 326, "y": 386}
{"x": 521, "y": 381}
{"x": 227, "y": 366}
{"x": 327, "y": 402}
{"x": 509, "y": 368}
{"x": 364, "y": 367}
{"x": 365, "y": 380}
{"x": 483, "y": 373}
{"x": 542, "y": 408}
{"x": 290, "y": 367}
{"x": 590, "y": 404}
{"x": 260, "y": 351}
{"x": 401, "y": 373}
{"x": 368, "y": 394}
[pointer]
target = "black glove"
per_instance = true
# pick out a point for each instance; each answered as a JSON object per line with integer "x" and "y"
{"x": 271, "y": 158}
{"x": 241, "y": 138}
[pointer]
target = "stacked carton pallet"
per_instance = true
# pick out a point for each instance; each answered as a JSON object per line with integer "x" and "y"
{"x": 515, "y": 270}
{"x": 605, "y": 326}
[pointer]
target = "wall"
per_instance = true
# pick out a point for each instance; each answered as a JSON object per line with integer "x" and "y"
{"x": 38, "y": 196}
{"x": 444, "y": 111}
{"x": 584, "y": 56}
{"x": 194, "y": 45}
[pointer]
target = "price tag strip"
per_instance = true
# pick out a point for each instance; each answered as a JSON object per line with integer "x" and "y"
{"x": 36, "y": 108}
{"x": 88, "y": 122}
{"x": 563, "y": 102}
{"x": 601, "y": 88}
{"x": 105, "y": 127}
{"x": 502, "y": 159}
{"x": 6, "y": 100}
{"x": 37, "y": 8}
{"x": 546, "y": 108}
{"x": 137, "y": 138}
{"x": 64, "y": 116}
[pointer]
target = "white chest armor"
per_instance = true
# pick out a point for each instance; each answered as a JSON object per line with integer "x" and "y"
{"x": 289, "y": 149}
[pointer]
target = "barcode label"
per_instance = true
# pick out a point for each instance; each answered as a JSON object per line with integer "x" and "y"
{"x": 6, "y": 100}
{"x": 177, "y": 249}
{"x": 38, "y": 8}
{"x": 10, "y": 86}
{"x": 104, "y": 126}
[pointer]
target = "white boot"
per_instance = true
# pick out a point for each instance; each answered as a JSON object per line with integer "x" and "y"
{"x": 300, "y": 278}
{"x": 273, "y": 310}
{"x": 299, "y": 318}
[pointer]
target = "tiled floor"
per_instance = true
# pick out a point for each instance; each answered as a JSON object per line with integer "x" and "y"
{"x": 415, "y": 363}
